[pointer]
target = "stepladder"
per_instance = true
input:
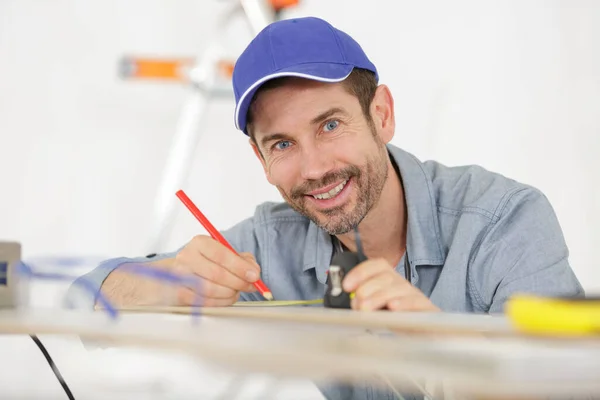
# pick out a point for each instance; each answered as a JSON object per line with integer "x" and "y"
{"x": 208, "y": 76}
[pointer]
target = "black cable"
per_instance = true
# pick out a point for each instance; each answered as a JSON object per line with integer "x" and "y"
{"x": 359, "y": 248}
{"x": 53, "y": 366}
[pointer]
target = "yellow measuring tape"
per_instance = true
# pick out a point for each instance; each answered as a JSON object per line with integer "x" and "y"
{"x": 554, "y": 316}
{"x": 277, "y": 303}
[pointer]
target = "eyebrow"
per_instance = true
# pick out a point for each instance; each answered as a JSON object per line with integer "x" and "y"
{"x": 275, "y": 136}
{"x": 323, "y": 116}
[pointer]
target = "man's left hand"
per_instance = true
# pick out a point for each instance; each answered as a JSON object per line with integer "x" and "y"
{"x": 376, "y": 285}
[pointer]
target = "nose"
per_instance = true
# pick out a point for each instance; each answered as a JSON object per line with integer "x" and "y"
{"x": 316, "y": 162}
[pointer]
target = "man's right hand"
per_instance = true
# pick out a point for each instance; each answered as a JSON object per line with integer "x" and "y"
{"x": 223, "y": 273}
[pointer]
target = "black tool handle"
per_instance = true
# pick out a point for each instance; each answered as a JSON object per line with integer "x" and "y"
{"x": 346, "y": 261}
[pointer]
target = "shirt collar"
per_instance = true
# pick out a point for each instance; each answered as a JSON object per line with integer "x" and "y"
{"x": 423, "y": 240}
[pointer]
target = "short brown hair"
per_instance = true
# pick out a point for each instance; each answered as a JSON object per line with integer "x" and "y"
{"x": 361, "y": 83}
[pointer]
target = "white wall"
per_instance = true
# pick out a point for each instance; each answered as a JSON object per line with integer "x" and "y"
{"x": 511, "y": 85}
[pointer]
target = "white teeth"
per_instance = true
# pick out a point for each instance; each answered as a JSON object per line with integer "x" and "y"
{"x": 331, "y": 193}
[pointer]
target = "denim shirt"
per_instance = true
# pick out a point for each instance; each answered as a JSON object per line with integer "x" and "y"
{"x": 474, "y": 238}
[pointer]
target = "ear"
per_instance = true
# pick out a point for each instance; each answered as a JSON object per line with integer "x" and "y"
{"x": 382, "y": 110}
{"x": 260, "y": 158}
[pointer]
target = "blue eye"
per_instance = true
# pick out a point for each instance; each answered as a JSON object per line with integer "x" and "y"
{"x": 331, "y": 125}
{"x": 284, "y": 144}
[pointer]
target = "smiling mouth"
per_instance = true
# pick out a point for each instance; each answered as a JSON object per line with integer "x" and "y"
{"x": 332, "y": 193}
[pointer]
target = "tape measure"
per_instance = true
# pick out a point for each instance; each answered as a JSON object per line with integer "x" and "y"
{"x": 554, "y": 316}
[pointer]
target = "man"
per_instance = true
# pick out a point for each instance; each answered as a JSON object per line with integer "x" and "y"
{"x": 459, "y": 239}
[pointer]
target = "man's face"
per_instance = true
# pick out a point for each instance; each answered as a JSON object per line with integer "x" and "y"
{"x": 326, "y": 159}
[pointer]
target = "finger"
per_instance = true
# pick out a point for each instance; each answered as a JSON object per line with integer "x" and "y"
{"x": 215, "y": 291}
{"x": 224, "y": 257}
{"x": 377, "y": 283}
{"x": 250, "y": 258}
{"x": 188, "y": 297}
{"x": 379, "y": 299}
{"x": 214, "y": 274}
{"x": 210, "y": 271}
{"x": 363, "y": 272}
{"x": 185, "y": 273}
{"x": 220, "y": 302}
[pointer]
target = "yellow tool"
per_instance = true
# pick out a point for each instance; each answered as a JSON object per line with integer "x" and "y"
{"x": 547, "y": 316}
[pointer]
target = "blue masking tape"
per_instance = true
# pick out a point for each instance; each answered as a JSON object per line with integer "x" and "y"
{"x": 188, "y": 280}
{"x": 139, "y": 269}
{"x": 25, "y": 269}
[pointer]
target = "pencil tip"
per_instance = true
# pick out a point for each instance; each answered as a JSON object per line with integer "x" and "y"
{"x": 268, "y": 295}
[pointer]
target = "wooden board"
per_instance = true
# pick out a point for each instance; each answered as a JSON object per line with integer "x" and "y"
{"x": 407, "y": 322}
{"x": 476, "y": 365}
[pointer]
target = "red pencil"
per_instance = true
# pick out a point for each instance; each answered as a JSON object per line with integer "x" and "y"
{"x": 215, "y": 234}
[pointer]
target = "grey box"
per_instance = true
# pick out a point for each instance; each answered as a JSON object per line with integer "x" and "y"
{"x": 10, "y": 255}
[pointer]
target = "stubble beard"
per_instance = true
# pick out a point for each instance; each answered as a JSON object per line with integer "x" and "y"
{"x": 368, "y": 182}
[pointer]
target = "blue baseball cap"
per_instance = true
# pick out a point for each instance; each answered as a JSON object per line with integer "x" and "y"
{"x": 307, "y": 47}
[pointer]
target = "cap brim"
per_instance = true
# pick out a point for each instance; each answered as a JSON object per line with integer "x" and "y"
{"x": 322, "y": 72}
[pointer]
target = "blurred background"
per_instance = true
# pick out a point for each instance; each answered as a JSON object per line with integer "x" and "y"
{"x": 511, "y": 85}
